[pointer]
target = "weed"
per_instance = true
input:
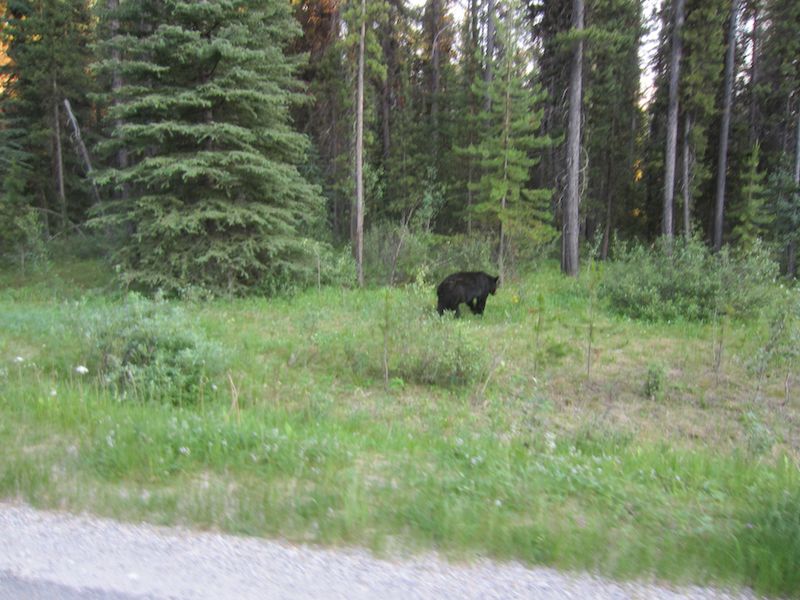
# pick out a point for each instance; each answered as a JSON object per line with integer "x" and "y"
{"x": 655, "y": 383}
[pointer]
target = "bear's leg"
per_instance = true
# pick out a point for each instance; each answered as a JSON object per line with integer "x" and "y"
{"x": 480, "y": 304}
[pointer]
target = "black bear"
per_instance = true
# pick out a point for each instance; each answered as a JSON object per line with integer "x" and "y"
{"x": 469, "y": 287}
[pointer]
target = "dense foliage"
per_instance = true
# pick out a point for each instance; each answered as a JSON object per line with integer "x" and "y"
{"x": 212, "y": 144}
{"x": 687, "y": 281}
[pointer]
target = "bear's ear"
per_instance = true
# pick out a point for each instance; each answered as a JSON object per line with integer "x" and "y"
{"x": 496, "y": 280}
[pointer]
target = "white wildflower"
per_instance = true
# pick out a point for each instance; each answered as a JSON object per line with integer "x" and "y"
{"x": 184, "y": 450}
{"x": 18, "y": 359}
{"x": 81, "y": 370}
{"x": 498, "y": 502}
{"x": 53, "y": 393}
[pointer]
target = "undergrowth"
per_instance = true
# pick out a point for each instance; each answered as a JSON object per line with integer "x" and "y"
{"x": 361, "y": 416}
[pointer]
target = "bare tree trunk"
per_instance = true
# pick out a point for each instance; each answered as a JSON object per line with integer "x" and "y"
{"x": 359, "y": 216}
{"x": 609, "y": 198}
{"x": 475, "y": 38}
{"x": 116, "y": 86}
{"x": 754, "y": 76}
{"x": 672, "y": 121}
{"x": 571, "y": 215}
{"x": 388, "y": 86}
{"x": 58, "y": 161}
{"x": 791, "y": 263}
{"x": 687, "y": 178}
{"x": 506, "y": 144}
{"x": 487, "y": 74}
{"x": 722, "y": 162}
{"x": 436, "y": 72}
{"x": 81, "y": 148}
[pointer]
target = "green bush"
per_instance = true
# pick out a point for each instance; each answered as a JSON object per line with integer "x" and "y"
{"x": 655, "y": 382}
{"x": 149, "y": 350}
{"x": 687, "y": 281}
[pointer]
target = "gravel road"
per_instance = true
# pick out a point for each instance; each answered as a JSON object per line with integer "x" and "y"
{"x": 59, "y": 556}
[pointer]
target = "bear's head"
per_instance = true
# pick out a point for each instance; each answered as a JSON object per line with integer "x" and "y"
{"x": 493, "y": 284}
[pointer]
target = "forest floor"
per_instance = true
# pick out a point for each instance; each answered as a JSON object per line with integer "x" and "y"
{"x": 551, "y": 431}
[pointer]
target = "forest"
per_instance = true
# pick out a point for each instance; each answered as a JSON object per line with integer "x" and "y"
{"x": 223, "y": 223}
{"x": 240, "y": 146}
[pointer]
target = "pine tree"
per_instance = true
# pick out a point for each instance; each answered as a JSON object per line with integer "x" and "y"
{"x": 722, "y": 163}
{"x": 613, "y": 118}
{"x": 216, "y": 199}
{"x": 751, "y": 217}
{"x": 780, "y": 109}
{"x": 47, "y": 45}
{"x": 506, "y": 149}
{"x": 701, "y": 75}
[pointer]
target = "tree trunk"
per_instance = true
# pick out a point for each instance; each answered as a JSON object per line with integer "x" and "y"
{"x": 81, "y": 148}
{"x": 58, "y": 161}
{"x": 436, "y": 73}
{"x": 506, "y": 149}
{"x": 116, "y": 86}
{"x": 722, "y": 162}
{"x": 687, "y": 178}
{"x": 487, "y": 74}
{"x": 672, "y": 122}
{"x": 571, "y": 215}
{"x": 791, "y": 263}
{"x": 388, "y": 86}
{"x": 754, "y": 75}
{"x": 359, "y": 216}
{"x": 609, "y": 199}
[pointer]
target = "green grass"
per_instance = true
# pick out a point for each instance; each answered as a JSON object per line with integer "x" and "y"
{"x": 298, "y": 436}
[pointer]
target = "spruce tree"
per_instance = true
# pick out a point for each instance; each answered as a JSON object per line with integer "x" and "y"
{"x": 613, "y": 119}
{"x": 507, "y": 147}
{"x": 751, "y": 216}
{"x": 216, "y": 200}
{"x": 47, "y": 43}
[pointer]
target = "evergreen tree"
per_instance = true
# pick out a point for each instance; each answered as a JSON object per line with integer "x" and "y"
{"x": 468, "y": 102}
{"x": 722, "y": 163}
{"x": 47, "y": 46}
{"x": 21, "y": 231}
{"x": 216, "y": 199}
{"x": 751, "y": 217}
{"x": 613, "y": 118}
{"x": 780, "y": 109}
{"x": 506, "y": 148}
{"x": 701, "y": 76}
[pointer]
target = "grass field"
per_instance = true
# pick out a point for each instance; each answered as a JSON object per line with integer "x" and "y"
{"x": 550, "y": 431}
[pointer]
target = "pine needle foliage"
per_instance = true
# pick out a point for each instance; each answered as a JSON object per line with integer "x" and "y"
{"x": 213, "y": 199}
{"x": 509, "y": 144}
{"x": 752, "y": 215}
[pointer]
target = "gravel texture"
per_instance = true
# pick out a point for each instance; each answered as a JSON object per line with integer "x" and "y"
{"x": 59, "y": 555}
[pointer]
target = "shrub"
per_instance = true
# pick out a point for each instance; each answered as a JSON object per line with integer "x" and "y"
{"x": 655, "y": 382}
{"x": 687, "y": 281}
{"x": 149, "y": 350}
{"x": 400, "y": 254}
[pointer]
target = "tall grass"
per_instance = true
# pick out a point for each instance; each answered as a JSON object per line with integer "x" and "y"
{"x": 548, "y": 468}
